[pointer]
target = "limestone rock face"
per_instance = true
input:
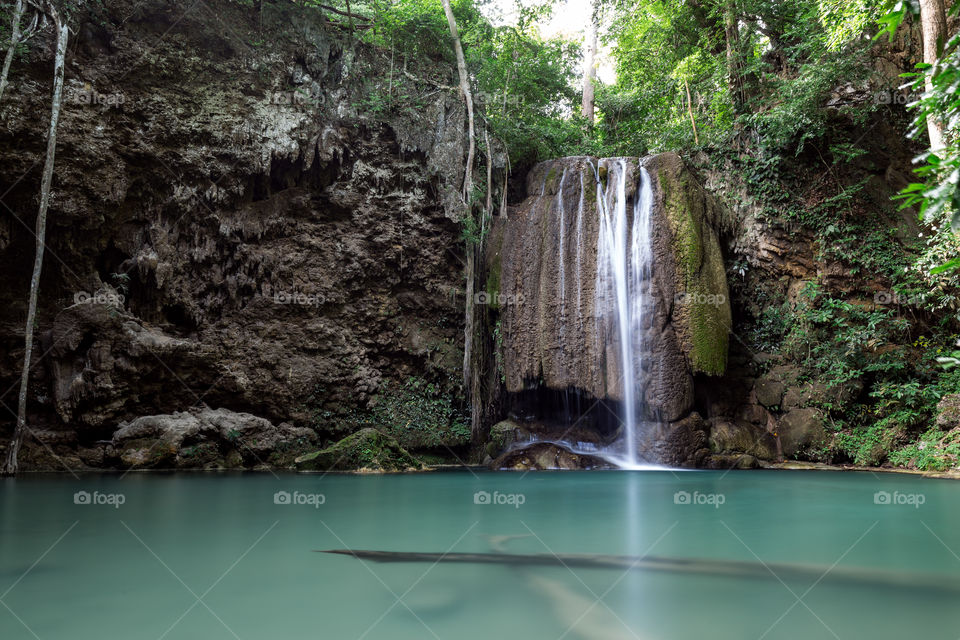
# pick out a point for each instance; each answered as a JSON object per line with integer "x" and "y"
{"x": 240, "y": 233}
{"x": 688, "y": 242}
{"x": 553, "y": 328}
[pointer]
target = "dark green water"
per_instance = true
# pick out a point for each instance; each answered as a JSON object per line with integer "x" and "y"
{"x": 213, "y": 556}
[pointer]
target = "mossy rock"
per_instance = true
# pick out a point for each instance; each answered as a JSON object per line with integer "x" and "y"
{"x": 703, "y": 320}
{"x": 502, "y": 436}
{"x": 367, "y": 449}
{"x": 728, "y": 437}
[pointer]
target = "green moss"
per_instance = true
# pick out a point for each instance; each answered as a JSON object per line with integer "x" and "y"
{"x": 700, "y": 275}
{"x": 709, "y": 352}
{"x": 550, "y": 182}
{"x": 366, "y": 449}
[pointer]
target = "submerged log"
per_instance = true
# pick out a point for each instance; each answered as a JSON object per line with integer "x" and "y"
{"x": 703, "y": 566}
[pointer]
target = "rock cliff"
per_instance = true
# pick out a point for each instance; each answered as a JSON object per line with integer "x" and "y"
{"x": 228, "y": 227}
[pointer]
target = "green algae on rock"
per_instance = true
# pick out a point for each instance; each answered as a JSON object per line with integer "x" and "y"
{"x": 367, "y": 449}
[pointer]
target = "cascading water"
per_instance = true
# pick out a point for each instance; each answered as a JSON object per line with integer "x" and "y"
{"x": 580, "y": 252}
{"x": 590, "y": 358}
{"x": 624, "y": 265}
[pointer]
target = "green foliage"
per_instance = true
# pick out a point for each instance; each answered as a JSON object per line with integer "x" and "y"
{"x": 660, "y": 51}
{"x": 795, "y": 114}
{"x": 882, "y": 385}
{"x": 846, "y": 21}
{"x": 935, "y": 451}
{"x": 938, "y": 194}
{"x": 839, "y": 340}
{"x": 523, "y": 84}
{"x": 419, "y": 414}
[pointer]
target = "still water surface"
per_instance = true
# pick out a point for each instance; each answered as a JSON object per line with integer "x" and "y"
{"x": 211, "y": 556}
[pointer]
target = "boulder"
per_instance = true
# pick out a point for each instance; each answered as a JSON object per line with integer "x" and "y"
{"x": 801, "y": 428}
{"x": 730, "y": 437}
{"x": 543, "y": 456}
{"x": 818, "y": 393}
{"x": 753, "y": 414}
{"x": 367, "y": 449}
{"x": 503, "y": 435}
{"x": 769, "y": 392}
{"x": 798, "y": 397}
{"x": 678, "y": 444}
{"x": 205, "y": 437}
{"x": 948, "y": 412}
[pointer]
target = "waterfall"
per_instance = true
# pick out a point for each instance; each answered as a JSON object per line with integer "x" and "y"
{"x": 561, "y": 253}
{"x": 580, "y": 252}
{"x": 579, "y": 259}
{"x": 624, "y": 265}
{"x": 593, "y": 355}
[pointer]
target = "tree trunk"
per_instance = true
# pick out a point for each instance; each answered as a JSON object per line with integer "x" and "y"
{"x": 10, "y": 466}
{"x": 734, "y": 72}
{"x": 932, "y": 583}
{"x": 696, "y": 138}
{"x": 589, "y": 65}
{"x": 488, "y": 208}
{"x": 933, "y": 24}
{"x": 467, "y": 209}
{"x": 14, "y": 41}
{"x": 350, "y": 17}
{"x": 503, "y": 194}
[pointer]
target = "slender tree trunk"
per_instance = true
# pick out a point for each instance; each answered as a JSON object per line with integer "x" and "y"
{"x": 10, "y": 466}
{"x": 506, "y": 88}
{"x": 14, "y": 41}
{"x": 350, "y": 17}
{"x": 589, "y": 66}
{"x": 734, "y": 72}
{"x": 503, "y": 195}
{"x": 471, "y": 249}
{"x": 933, "y": 24}
{"x": 696, "y": 138}
{"x": 467, "y": 98}
{"x": 488, "y": 209}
